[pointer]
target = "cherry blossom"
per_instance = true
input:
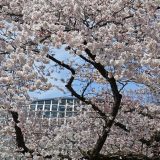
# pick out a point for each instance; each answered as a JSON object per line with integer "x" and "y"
{"x": 108, "y": 45}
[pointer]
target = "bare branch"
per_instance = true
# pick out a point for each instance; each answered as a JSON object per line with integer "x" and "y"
{"x": 70, "y": 88}
{"x": 116, "y": 95}
{"x": 87, "y": 60}
{"x": 19, "y": 135}
{"x": 122, "y": 126}
{"x": 84, "y": 90}
{"x": 61, "y": 64}
{"x": 83, "y": 99}
{"x": 123, "y": 85}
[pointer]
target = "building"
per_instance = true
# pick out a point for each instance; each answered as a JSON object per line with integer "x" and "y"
{"x": 57, "y": 109}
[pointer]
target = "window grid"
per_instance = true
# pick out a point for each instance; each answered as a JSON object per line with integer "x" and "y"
{"x": 58, "y": 109}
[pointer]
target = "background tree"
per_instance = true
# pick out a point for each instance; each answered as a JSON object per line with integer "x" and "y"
{"x": 108, "y": 43}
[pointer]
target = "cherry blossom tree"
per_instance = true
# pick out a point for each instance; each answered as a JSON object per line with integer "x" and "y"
{"x": 108, "y": 45}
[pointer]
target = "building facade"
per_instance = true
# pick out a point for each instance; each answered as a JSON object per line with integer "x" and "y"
{"x": 57, "y": 109}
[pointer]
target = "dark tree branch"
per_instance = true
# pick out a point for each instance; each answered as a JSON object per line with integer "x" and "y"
{"x": 4, "y": 53}
{"x": 104, "y": 23}
{"x": 15, "y": 15}
{"x": 122, "y": 126}
{"x": 84, "y": 90}
{"x": 90, "y": 55}
{"x": 15, "y": 116}
{"x": 98, "y": 66}
{"x": 87, "y": 60}
{"x": 61, "y": 64}
{"x": 70, "y": 88}
{"x": 123, "y": 85}
{"x": 116, "y": 105}
{"x": 116, "y": 95}
{"x": 83, "y": 99}
{"x": 19, "y": 135}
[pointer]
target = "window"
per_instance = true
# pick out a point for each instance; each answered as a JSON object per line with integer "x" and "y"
{"x": 46, "y": 114}
{"x": 53, "y": 114}
{"x": 34, "y": 103}
{"x": 54, "y": 101}
{"x": 40, "y": 102}
{"x": 76, "y": 101}
{"x": 62, "y": 101}
{"x": 39, "y": 107}
{"x": 48, "y": 102}
{"x": 68, "y": 114}
{"x": 77, "y": 108}
{"x": 47, "y": 107}
{"x": 61, "y": 115}
{"x": 69, "y": 108}
{"x": 32, "y": 107}
{"x": 54, "y": 107}
{"x": 61, "y": 108}
{"x": 70, "y": 101}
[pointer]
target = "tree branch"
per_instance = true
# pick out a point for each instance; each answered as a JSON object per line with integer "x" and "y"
{"x": 70, "y": 88}
{"x": 122, "y": 126}
{"x": 83, "y": 99}
{"x": 116, "y": 95}
{"x": 61, "y": 64}
{"x": 19, "y": 134}
{"x": 87, "y": 60}
{"x": 84, "y": 90}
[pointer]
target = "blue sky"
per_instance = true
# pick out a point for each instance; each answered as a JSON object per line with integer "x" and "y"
{"x": 63, "y": 55}
{"x": 57, "y": 93}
